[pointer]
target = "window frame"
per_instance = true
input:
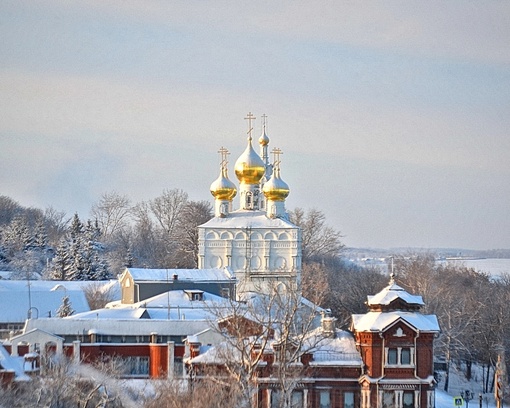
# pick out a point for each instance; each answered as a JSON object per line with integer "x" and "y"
{"x": 389, "y": 351}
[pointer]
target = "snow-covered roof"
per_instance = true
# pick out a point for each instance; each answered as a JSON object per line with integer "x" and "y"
{"x": 379, "y": 321}
{"x": 45, "y": 297}
{"x": 116, "y": 327}
{"x": 392, "y": 292}
{"x": 172, "y": 306}
{"x": 339, "y": 349}
{"x": 7, "y": 362}
{"x": 118, "y": 314}
{"x": 47, "y": 285}
{"x": 195, "y": 275}
{"x": 247, "y": 218}
{"x": 14, "y": 304}
{"x": 219, "y": 354}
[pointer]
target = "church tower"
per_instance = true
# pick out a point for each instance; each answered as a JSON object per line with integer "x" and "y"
{"x": 257, "y": 240}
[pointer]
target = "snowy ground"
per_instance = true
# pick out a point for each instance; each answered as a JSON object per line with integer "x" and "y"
{"x": 458, "y": 383}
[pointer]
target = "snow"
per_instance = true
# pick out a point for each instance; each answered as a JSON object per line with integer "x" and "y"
{"x": 195, "y": 275}
{"x": 392, "y": 292}
{"x": 378, "y": 321}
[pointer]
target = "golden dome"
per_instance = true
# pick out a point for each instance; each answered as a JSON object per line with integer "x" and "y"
{"x": 276, "y": 189}
{"x": 222, "y": 188}
{"x": 249, "y": 167}
{"x": 263, "y": 140}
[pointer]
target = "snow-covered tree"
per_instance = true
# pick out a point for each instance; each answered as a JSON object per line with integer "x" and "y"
{"x": 61, "y": 264}
{"x": 65, "y": 308}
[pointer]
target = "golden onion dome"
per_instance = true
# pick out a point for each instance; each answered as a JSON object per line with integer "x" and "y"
{"x": 276, "y": 189}
{"x": 263, "y": 140}
{"x": 222, "y": 188}
{"x": 249, "y": 167}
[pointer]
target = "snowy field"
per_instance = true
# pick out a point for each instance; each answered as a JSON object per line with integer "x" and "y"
{"x": 493, "y": 266}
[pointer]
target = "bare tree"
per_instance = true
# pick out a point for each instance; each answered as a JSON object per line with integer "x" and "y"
{"x": 111, "y": 212}
{"x": 271, "y": 327}
{"x": 98, "y": 294}
{"x": 209, "y": 394}
{"x": 193, "y": 214}
{"x": 318, "y": 239}
{"x": 167, "y": 209}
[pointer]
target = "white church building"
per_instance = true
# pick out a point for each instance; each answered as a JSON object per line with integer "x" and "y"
{"x": 256, "y": 241}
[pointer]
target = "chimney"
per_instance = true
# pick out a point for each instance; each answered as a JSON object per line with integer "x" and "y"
{"x": 328, "y": 323}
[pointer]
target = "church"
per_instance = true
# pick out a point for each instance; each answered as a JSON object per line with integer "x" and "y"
{"x": 257, "y": 241}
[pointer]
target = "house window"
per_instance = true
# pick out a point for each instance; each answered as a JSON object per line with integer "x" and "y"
{"x": 405, "y": 356}
{"x": 296, "y": 399}
{"x": 324, "y": 399}
{"x": 275, "y": 398}
{"x": 408, "y": 399}
{"x": 392, "y": 356}
{"x": 348, "y": 400}
{"x": 388, "y": 399}
{"x": 400, "y": 356}
{"x": 136, "y": 366}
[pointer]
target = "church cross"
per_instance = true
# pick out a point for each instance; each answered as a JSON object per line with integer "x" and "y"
{"x": 276, "y": 157}
{"x": 224, "y": 153}
{"x": 264, "y": 120}
{"x": 249, "y": 118}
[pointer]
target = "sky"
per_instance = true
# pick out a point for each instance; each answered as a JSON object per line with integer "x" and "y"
{"x": 393, "y": 117}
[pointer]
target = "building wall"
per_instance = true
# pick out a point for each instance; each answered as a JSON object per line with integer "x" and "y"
{"x": 256, "y": 255}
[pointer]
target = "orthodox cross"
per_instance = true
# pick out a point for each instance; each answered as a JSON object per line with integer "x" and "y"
{"x": 249, "y": 118}
{"x": 276, "y": 157}
{"x": 224, "y": 153}
{"x": 264, "y": 120}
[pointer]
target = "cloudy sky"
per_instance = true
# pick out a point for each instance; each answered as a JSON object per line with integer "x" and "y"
{"x": 393, "y": 116}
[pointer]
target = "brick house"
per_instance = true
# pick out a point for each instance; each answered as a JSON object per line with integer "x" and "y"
{"x": 396, "y": 342}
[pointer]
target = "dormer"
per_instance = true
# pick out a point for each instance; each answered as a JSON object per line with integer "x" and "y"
{"x": 195, "y": 295}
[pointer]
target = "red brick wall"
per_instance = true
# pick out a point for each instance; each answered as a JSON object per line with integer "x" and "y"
{"x": 158, "y": 360}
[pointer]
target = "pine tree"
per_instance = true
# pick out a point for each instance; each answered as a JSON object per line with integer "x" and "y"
{"x": 76, "y": 228}
{"x": 101, "y": 271}
{"x": 61, "y": 262}
{"x": 26, "y": 237}
{"x": 40, "y": 236}
{"x": 128, "y": 260}
{"x": 65, "y": 308}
